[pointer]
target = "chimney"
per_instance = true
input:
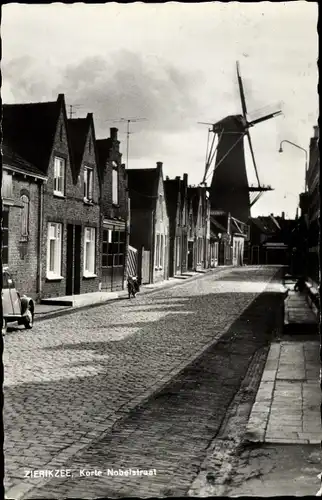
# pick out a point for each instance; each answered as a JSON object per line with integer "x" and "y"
{"x": 316, "y": 132}
{"x": 178, "y": 178}
{"x": 159, "y": 164}
{"x": 283, "y": 215}
{"x": 185, "y": 178}
{"x": 113, "y": 133}
{"x": 167, "y": 178}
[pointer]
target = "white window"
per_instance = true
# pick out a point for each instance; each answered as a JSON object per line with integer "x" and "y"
{"x": 59, "y": 176}
{"x": 115, "y": 186}
{"x": 54, "y": 249}
{"x": 89, "y": 251}
{"x": 178, "y": 250}
{"x": 24, "y": 221}
{"x": 161, "y": 251}
{"x": 157, "y": 250}
{"x": 88, "y": 184}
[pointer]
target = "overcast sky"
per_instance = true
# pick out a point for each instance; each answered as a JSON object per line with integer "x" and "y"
{"x": 174, "y": 65}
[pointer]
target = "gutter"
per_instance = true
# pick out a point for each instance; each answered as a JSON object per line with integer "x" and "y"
{"x": 153, "y": 245}
{"x": 40, "y": 238}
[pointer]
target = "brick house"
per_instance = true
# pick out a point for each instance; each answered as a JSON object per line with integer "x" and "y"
{"x": 114, "y": 213}
{"x": 177, "y": 206}
{"x": 149, "y": 226}
{"x": 21, "y": 192}
{"x": 69, "y": 220}
{"x": 198, "y": 229}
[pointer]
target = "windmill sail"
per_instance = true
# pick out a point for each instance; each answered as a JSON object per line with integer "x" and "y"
{"x": 229, "y": 190}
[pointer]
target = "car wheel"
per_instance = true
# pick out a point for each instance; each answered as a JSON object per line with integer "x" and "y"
{"x": 4, "y": 327}
{"x": 28, "y": 319}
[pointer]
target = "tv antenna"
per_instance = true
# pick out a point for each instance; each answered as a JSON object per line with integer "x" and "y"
{"x": 128, "y": 121}
{"x": 71, "y": 111}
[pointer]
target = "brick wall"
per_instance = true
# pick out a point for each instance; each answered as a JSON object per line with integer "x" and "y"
{"x": 23, "y": 255}
{"x": 69, "y": 210}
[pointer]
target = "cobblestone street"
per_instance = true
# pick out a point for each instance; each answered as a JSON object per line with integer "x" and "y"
{"x": 70, "y": 378}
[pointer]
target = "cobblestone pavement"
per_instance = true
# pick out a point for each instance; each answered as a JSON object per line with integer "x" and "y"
{"x": 66, "y": 379}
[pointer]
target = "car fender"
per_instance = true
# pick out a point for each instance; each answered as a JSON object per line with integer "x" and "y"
{"x": 25, "y": 303}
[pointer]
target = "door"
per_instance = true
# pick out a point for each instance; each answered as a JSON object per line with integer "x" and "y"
{"x": 190, "y": 255}
{"x": 70, "y": 260}
{"x": 77, "y": 259}
{"x": 145, "y": 266}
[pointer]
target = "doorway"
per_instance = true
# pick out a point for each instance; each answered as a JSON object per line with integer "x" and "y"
{"x": 73, "y": 257}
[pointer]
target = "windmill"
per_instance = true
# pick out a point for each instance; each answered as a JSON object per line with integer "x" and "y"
{"x": 229, "y": 190}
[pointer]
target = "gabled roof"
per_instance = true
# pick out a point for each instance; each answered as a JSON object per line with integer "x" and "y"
{"x": 193, "y": 194}
{"x": 266, "y": 224}
{"x": 15, "y": 162}
{"x": 143, "y": 187}
{"x": 29, "y": 129}
{"x": 78, "y": 130}
{"x": 172, "y": 193}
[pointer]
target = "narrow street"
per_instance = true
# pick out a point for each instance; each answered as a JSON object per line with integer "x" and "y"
{"x": 184, "y": 351}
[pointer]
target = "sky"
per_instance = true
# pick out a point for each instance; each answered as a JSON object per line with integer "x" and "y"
{"x": 170, "y": 66}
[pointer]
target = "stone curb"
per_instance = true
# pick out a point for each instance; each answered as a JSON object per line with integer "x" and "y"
{"x": 123, "y": 294}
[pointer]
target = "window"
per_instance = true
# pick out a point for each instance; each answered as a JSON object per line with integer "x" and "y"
{"x": 113, "y": 248}
{"x": 157, "y": 250}
{"x": 178, "y": 250}
{"x": 89, "y": 251}
{"x": 5, "y": 237}
{"x": 24, "y": 220}
{"x": 61, "y": 133}
{"x": 88, "y": 184}
{"x": 115, "y": 185}
{"x": 59, "y": 176}
{"x": 200, "y": 250}
{"x": 161, "y": 251}
{"x": 54, "y": 250}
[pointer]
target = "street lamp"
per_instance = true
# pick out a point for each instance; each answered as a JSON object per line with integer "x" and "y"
{"x": 305, "y": 151}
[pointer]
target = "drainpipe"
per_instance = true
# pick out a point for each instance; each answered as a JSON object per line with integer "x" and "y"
{"x": 153, "y": 245}
{"x": 40, "y": 239}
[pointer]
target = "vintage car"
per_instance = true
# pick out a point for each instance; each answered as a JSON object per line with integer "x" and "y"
{"x": 15, "y": 307}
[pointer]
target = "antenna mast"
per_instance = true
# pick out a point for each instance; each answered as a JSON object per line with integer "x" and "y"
{"x": 128, "y": 122}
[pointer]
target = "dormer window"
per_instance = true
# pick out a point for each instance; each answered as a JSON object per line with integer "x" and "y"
{"x": 59, "y": 176}
{"x": 88, "y": 184}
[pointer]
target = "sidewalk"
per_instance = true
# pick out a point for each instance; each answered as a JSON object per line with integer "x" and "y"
{"x": 61, "y": 305}
{"x": 282, "y": 445}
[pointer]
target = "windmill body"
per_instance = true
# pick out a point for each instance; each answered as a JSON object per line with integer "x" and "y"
{"x": 229, "y": 190}
{"x": 229, "y": 187}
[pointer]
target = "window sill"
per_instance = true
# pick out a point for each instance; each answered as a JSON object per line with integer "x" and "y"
{"x": 54, "y": 278}
{"x": 88, "y": 202}
{"x": 89, "y": 275}
{"x": 59, "y": 195}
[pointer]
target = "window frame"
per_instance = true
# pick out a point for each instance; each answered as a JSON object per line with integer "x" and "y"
{"x": 88, "y": 184}
{"x": 115, "y": 184}
{"x": 62, "y": 163}
{"x": 89, "y": 273}
{"x": 5, "y": 237}
{"x": 56, "y": 273}
{"x": 24, "y": 217}
{"x": 115, "y": 239}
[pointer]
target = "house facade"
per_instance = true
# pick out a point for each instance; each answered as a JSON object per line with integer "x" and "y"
{"x": 313, "y": 187}
{"x": 149, "y": 222}
{"x": 114, "y": 213}
{"x": 177, "y": 207}
{"x": 21, "y": 192}
{"x": 69, "y": 220}
{"x": 199, "y": 229}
